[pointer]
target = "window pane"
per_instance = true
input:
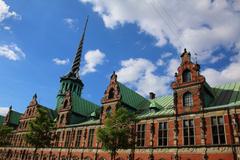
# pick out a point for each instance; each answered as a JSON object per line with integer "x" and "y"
{"x": 214, "y": 121}
{"x": 215, "y": 139}
{"x": 160, "y": 141}
{"x": 186, "y": 141}
{"x": 165, "y": 134}
{"x": 186, "y": 76}
{"x": 220, "y": 120}
{"x": 214, "y": 130}
{"x": 185, "y": 123}
{"x": 221, "y": 129}
{"x": 222, "y": 139}
{"x": 191, "y": 123}
{"x": 185, "y": 132}
{"x": 187, "y": 99}
{"x": 165, "y": 141}
{"x": 191, "y": 132}
{"x": 191, "y": 140}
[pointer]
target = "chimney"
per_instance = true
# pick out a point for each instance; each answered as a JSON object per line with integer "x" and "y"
{"x": 151, "y": 95}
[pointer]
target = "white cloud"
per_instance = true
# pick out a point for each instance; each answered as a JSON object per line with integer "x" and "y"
{"x": 173, "y": 64}
{"x": 217, "y": 58}
{"x": 200, "y": 26}
{"x": 230, "y": 73}
{"x": 71, "y": 23}
{"x": 139, "y": 74}
{"x": 7, "y": 28}
{"x": 59, "y": 61}
{"x": 160, "y": 62}
{"x": 166, "y": 55}
{"x": 6, "y": 13}
{"x": 11, "y": 52}
{"x": 93, "y": 58}
{"x": 4, "y": 111}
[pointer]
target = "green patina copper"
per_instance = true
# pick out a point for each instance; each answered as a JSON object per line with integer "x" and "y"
{"x": 224, "y": 96}
{"x": 14, "y": 117}
{"x": 132, "y": 98}
{"x": 82, "y": 106}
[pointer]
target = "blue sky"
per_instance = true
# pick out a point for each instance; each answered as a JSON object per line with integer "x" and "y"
{"x": 140, "y": 41}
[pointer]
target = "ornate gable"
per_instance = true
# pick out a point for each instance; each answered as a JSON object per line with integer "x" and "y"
{"x": 188, "y": 85}
{"x": 112, "y": 92}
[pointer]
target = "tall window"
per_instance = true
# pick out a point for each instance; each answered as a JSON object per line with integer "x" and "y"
{"x": 140, "y": 134}
{"x": 63, "y": 137}
{"x": 65, "y": 104}
{"x": 78, "y": 139}
{"x": 57, "y": 139}
{"x": 162, "y": 134}
{"x": 90, "y": 137}
{"x": 218, "y": 133}
{"x": 111, "y": 93}
{"x": 67, "y": 141}
{"x": 187, "y": 100}
{"x": 186, "y": 76}
{"x": 188, "y": 132}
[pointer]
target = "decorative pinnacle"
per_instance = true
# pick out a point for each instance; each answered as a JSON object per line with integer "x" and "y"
{"x": 35, "y": 96}
{"x": 77, "y": 60}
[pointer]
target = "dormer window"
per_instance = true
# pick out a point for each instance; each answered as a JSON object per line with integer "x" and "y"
{"x": 111, "y": 93}
{"x": 187, "y": 100}
{"x": 186, "y": 76}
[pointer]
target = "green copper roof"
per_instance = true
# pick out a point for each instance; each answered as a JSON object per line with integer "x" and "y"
{"x": 132, "y": 98}
{"x": 82, "y": 106}
{"x": 226, "y": 94}
{"x": 14, "y": 117}
{"x": 164, "y": 104}
{"x": 1, "y": 119}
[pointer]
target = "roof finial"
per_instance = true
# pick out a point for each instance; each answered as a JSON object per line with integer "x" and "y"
{"x": 35, "y": 96}
{"x": 77, "y": 60}
{"x": 196, "y": 58}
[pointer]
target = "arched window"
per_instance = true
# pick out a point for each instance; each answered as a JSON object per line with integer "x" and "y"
{"x": 109, "y": 110}
{"x": 66, "y": 87}
{"x": 65, "y": 104}
{"x": 71, "y": 86}
{"x": 186, "y": 76}
{"x": 61, "y": 119}
{"x": 111, "y": 93}
{"x": 187, "y": 100}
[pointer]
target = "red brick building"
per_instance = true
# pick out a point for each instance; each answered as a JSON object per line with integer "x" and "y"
{"x": 196, "y": 122}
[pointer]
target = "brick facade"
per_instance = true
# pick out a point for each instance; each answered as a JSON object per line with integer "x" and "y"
{"x": 194, "y": 130}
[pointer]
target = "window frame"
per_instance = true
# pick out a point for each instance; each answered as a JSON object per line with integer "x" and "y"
{"x": 141, "y": 134}
{"x": 78, "y": 138}
{"x": 217, "y": 130}
{"x": 162, "y": 130}
{"x": 67, "y": 139}
{"x": 188, "y": 131}
{"x": 189, "y": 101}
{"x": 186, "y": 76}
{"x": 90, "y": 137}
